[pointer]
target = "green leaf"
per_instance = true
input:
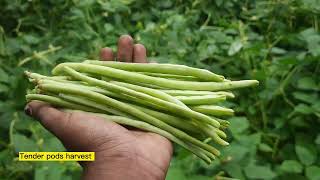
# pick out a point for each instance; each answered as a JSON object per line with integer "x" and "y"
{"x": 235, "y": 151}
{"x": 22, "y": 143}
{"x": 317, "y": 141}
{"x": 313, "y": 172}
{"x": 311, "y": 36}
{"x": 307, "y": 83}
{"x": 250, "y": 142}
{"x": 291, "y": 166}
{"x": 306, "y": 152}
{"x": 199, "y": 177}
{"x": 3, "y": 88}
{"x": 6, "y": 156}
{"x": 235, "y": 47}
{"x": 31, "y": 39}
{"x": 259, "y": 172}
{"x": 56, "y": 171}
{"x": 238, "y": 125}
{"x": 305, "y": 97}
{"x": 50, "y": 171}
{"x": 175, "y": 173}
{"x": 4, "y": 77}
{"x": 52, "y": 144}
{"x": 41, "y": 173}
{"x": 265, "y": 147}
{"x": 233, "y": 170}
{"x": 276, "y": 50}
{"x": 303, "y": 109}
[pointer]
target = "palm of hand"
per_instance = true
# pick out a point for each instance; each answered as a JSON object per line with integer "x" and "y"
{"x": 120, "y": 153}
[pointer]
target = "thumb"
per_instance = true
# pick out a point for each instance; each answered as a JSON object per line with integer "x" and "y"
{"x": 75, "y": 130}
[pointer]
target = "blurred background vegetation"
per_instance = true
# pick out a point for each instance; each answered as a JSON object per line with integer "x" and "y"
{"x": 276, "y": 132}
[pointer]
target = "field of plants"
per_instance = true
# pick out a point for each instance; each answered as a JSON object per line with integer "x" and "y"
{"x": 276, "y": 134}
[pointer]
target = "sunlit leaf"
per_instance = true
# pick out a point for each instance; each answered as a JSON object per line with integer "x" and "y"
{"x": 259, "y": 172}
{"x": 235, "y": 47}
{"x": 291, "y": 166}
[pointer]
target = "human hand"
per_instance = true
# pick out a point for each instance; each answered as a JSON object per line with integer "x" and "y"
{"x": 120, "y": 153}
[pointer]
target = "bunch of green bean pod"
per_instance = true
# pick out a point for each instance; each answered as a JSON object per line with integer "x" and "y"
{"x": 178, "y": 102}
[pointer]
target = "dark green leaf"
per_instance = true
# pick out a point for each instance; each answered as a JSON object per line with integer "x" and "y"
{"x": 304, "y": 109}
{"x": 305, "y": 97}
{"x": 307, "y": 83}
{"x": 3, "y": 88}
{"x": 31, "y": 39}
{"x": 4, "y": 77}
{"x": 317, "y": 141}
{"x": 313, "y": 172}
{"x": 306, "y": 152}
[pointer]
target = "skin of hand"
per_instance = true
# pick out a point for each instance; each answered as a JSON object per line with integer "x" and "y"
{"x": 120, "y": 152}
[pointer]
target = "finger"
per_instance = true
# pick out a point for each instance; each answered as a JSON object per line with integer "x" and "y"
{"x": 72, "y": 132}
{"x": 76, "y": 130}
{"x": 125, "y": 48}
{"x": 106, "y": 54}
{"x": 48, "y": 116}
{"x": 139, "y": 53}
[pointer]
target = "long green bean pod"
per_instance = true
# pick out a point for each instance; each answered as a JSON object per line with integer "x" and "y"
{"x": 169, "y": 119}
{"x": 201, "y": 100}
{"x": 213, "y": 134}
{"x": 220, "y": 132}
{"x": 203, "y": 154}
{"x": 197, "y": 93}
{"x": 172, "y": 76}
{"x": 134, "y": 77}
{"x": 213, "y": 110}
{"x": 59, "y": 102}
{"x": 224, "y": 123}
{"x": 130, "y": 110}
{"x": 184, "y": 124}
{"x": 90, "y": 103}
{"x": 151, "y": 92}
{"x": 178, "y": 102}
{"x": 161, "y": 68}
{"x": 169, "y": 106}
{"x": 118, "y": 119}
{"x": 39, "y": 76}
{"x": 118, "y": 95}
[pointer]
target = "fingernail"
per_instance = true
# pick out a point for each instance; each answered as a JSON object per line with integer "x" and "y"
{"x": 28, "y": 110}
